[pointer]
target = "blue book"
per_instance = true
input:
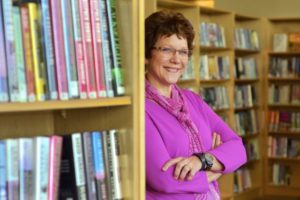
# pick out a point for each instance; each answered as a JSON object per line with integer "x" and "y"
{"x": 69, "y": 48}
{"x": 3, "y": 194}
{"x": 98, "y": 163}
{"x": 47, "y": 43}
{"x": 3, "y": 69}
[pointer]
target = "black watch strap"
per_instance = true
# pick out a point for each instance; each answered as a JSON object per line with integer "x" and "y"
{"x": 202, "y": 159}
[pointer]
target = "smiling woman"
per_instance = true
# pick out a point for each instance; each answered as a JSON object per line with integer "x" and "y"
{"x": 188, "y": 146}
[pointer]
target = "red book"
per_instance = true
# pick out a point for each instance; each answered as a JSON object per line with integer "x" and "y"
{"x": 87, "y": 47}
{"x": 97, "y": 48}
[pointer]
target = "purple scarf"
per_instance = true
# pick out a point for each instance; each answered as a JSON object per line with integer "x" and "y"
{"x": 176, "y": 106}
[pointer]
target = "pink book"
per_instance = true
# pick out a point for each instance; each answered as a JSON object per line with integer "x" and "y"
{"x": 54, "y": 166}
{"x": 97, "y": 48}
{"x": 87, "y": 47}
{"x": 59, "y": 53}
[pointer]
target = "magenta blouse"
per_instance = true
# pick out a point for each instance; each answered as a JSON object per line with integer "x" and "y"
{"x": 166, "y": 139}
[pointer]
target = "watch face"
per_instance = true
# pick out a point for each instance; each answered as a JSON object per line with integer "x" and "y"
{"x": 209, "y": 160}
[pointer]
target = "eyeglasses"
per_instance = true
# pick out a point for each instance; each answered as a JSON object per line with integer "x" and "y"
{"x": 169, "y": 51}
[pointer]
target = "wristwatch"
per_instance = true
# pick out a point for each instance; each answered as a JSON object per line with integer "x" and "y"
{"x": 206, "y": 160}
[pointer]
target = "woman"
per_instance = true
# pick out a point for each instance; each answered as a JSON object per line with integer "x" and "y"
{"x": 184, "y": 155}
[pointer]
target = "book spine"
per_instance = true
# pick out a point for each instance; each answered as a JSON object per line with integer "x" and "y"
{"x": 118, "y": 81}
{"x": 87, "y": 47}
{"x": 97, "y": 48}
{"x": 26, "y": 158}
{"x": 41, "y": 149}
{"x": 59, "y": 53}
{"x": 106, "y": 49}
{"x": 3, "y": 67}
{"x": 10, "y": 50}
{"x": 79, "y": 166}
{"x": 113, "y": 162}
{"x": 28, "y": 54}
{"x": 88, "y": 162}
{"x": 19, "y": 55}
{"x": 3, "y": 192}
{"x": 36, "y": 51}
{"x": 79, "y": 50}
{"x": 54, "y": 166}
{"x": 71, "y": 67}
{"x": 99, "y": 165}
{"x": 12, "y": 170}
{"x": 46, "y": 30}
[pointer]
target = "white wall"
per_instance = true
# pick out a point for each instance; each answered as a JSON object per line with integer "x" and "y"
{"x": 262, "y": 8}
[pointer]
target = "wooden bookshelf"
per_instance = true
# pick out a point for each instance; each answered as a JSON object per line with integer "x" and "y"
{"x": 66, "y": 117}
{"x": 281, "y": 25}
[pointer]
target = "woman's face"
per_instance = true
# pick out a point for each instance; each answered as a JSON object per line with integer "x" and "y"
{"x": 166, "y": 65}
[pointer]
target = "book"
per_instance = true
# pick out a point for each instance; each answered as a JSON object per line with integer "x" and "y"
{"x": 48, "y": 51}
{"x": 28, "y": 54}
{"x": 12, "y": 168}
{"x": 117, "y": 73}
{"x": 26, "y": 157}
{"x": 3, "y": 192}
{"x": 99, "y": 165}
{"x": 280, "y": 42}
{"x": 69, "y": 48}
{"x": 54, "y": 166}
{"x": 3, "y": 67}
{"x": 294, "y": 41}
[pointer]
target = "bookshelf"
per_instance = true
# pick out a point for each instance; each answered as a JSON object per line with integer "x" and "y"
{"x": 282, "y": 165}
{"x": 46, "y": 118}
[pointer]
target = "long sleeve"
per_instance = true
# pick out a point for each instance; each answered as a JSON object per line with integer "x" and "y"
{"x": 156, "y": 156}
{"x": 231, "y": 153}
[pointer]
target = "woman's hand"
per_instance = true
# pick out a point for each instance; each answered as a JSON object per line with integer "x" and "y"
{"x": 186, "y": 167}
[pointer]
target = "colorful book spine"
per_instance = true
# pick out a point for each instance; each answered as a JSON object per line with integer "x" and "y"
{"x": 10, "y": 50}
{"x": 46, "y": 32}
{"x": 3, "y": 192}
{"x": 117, "y": 73}
{"x": 59, "y": 53}
{"x": 97, "y": 48}
{"x": 12, "y": 170}
{"x": 54, "y": 166}
{"x": 19, "y": 55}
{"x": 79, "y": 166}
{"x": 87, "y": 47}
{"x": 113, "y": 163}
{"x": 41, "y": 166}
{"x": 88, "y": 166}
{"x": 3, "y": 67}
{"x": 79, "y": 50}
{"x": 28, "y": 54}
{"x": 69, "y": 48}
{"x": 106, "y": 49}
{"x": 36, "y": 51}
{"x": 99, "y": 166}
{"x": 26, "y": 157}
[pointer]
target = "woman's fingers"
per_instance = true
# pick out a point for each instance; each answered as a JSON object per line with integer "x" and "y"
{"x": 213, "y": 141}
{"x": 171, "y": 162}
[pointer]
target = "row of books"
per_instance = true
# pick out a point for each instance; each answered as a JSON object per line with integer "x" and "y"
{"x": 75, "y": 166}
{"x": 281, "y": 174}
{"x": 214, "y": 67}
{"x": 212, "y": 35}
{"x": 188, "y": 74}
{"x": 284, "y": 67}
{"x": 244, "y": 96}
{"x": 283, "y": 147}
{"x": 284, "y": 42}
{"x": 287, "y": 121}
{"x": 246, "y": 122}
{"x": 245, "y": 68}
{"x": 59, "y": 50}
{"x": 284, "y": 93}
{"x": 242, "y": 180}
{"x": 215, "y": 97}
{"x": 245, "y": 38}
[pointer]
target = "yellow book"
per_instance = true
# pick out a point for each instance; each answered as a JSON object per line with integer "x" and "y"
{"x": 38, "y": 65}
